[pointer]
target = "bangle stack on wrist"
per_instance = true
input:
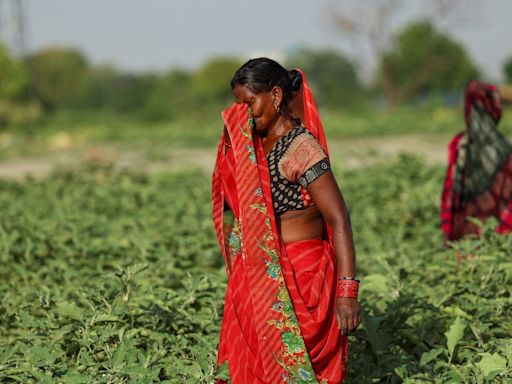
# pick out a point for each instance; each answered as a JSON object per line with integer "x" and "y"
{"x": 347, "y": 287}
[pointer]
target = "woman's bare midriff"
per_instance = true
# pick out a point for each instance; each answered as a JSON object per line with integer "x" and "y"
{"x": 301, "y": 225}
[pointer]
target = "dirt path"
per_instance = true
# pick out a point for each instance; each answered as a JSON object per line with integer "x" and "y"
{"x": 350, "y": 153}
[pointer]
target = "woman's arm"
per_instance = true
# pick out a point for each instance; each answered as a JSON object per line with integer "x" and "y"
{"x": 329, "y": 200}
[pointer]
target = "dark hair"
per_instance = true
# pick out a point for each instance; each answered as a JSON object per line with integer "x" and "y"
{"x": 262, "y": 74}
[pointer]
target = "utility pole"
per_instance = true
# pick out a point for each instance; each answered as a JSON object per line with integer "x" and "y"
{"x": 12, "y": 28}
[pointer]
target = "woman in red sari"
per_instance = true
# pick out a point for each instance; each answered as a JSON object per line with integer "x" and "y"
{"x": 478, "y": 181}
{"x": 284, "y": 230}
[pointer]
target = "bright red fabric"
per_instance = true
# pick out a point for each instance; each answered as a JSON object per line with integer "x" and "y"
{"x": 448, "y": 212}
{"x": 278, "y": 323}
{"x": 311, "y": 276}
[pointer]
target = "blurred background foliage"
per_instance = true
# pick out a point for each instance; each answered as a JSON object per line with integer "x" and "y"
{"x": 13, "y": 77}
{"x": 422, "y": 63}
{"x": 507, "y": 69}
{"x": 332, "y": 75}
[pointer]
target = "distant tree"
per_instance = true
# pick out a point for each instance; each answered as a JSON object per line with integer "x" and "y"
{"x": 129, "y": 91}
{"x": 210, "y": 84}
{"x": 107, "y": 88}
{"x": 370, "y": 25}
{"x": 13, "y": 77}
{"x": 332, "y": 76}
{"x": 507, "y": 69}
{"x": 98, "y": 90}
{"x": 170, "y": 96}
{"x": 57, "y": 76}
{"x": 421, "y": 61}
{"x": 181, "y": 92}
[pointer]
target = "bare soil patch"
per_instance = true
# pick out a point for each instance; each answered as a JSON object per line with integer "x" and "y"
{"x": 349, "y": 153}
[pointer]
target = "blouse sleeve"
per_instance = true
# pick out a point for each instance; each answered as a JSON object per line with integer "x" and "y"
{"x": 304, "y": 153}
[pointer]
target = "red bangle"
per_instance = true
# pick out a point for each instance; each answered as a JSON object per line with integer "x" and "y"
{"x": 347, "y": 288}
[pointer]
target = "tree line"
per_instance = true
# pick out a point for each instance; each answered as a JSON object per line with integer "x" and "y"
{"x": 422, "y": 62}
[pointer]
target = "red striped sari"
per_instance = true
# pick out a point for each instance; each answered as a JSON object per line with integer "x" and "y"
{"x": 478, "y": 180}
{"x": 278, "y": 324}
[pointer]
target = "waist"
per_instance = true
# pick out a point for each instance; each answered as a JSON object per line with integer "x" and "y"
{"x": 301, "y": 225}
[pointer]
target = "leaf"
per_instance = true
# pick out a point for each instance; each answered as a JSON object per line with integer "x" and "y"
{"x": 26, "y": 319}
{"x": 118, "y": 359}
{"x": 6, "y": 353}
{"x": 104, "y": 317}
{"x": 507, "y": 348}
{"x": 427, "y": 357}
{"x": 136, "y": 268}
{"x": 44, "y": 355}
{"x": 71, "y": 310}
{"x": 41, "y": 377}
{"x": 456, "y": 311}
{"x": 223, "y": 372}
{"x": 491, "y": 365}
{"x": 141, "y": 372}
{"x": 378, "y": 284}
{"x": 60, "y": 333}
{"x": 454, "y": 335}
{"x": 86, "y": 358}
{"x": 75, "y": 378}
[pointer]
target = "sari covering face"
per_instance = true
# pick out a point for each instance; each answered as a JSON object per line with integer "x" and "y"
{"x": 478, "y": 181}
{"x": 278, "y": 324}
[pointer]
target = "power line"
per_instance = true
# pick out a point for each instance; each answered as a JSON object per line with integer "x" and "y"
{"x": 12, "y": 26}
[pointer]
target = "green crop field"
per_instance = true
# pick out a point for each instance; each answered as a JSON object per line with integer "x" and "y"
{"x": 111, "y": 277}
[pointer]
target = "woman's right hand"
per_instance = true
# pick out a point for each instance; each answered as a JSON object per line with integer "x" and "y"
{"x": 348, "y": 314}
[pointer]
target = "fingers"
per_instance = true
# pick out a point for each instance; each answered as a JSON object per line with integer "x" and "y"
{"x": 356, "y": 320}
{"x": 338, "y": 320}
{"x": 342, "y": 322}
{"x": 348, "y": 320}
{"x": 348, "y": 314}
{"x": 351, "y": 323}
{"x": 348, "y": 324}
{"x": 344, "y": 326}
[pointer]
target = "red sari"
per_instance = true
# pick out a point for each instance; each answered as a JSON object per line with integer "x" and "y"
{"x": 478, "y": 180}
{"x": 279, "y": 324}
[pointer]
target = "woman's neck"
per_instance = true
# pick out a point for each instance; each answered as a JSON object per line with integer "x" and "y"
{"x": 281, "y": 127}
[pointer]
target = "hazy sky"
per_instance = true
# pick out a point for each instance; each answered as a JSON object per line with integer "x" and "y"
{"x": 158, "y": 34}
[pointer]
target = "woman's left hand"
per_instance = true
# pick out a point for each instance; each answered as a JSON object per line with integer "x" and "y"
{"x": 348, "y": 314}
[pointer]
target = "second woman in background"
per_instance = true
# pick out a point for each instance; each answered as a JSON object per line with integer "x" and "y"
{"x": 478, "y": 180}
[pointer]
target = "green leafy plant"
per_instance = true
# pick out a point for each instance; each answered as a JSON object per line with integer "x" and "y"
{"x": 116, "y": 277}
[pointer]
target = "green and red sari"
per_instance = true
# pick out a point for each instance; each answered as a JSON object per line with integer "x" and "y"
{"x": 478, "y": 180}
{"x": 278, "y": 324}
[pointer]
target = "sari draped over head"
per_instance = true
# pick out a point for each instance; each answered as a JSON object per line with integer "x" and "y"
{"x": 478, "y": 180}
{"x": 274, "y": 330}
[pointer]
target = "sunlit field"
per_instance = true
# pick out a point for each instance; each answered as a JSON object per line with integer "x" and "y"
{"x": 116, "y": 277}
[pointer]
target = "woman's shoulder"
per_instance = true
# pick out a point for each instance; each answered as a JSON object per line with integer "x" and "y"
{"x": 297, "y": 137}
{"x": 303, "y": 152}
{"x": 304, "y": 141}
{"x": 292, "y": 135}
